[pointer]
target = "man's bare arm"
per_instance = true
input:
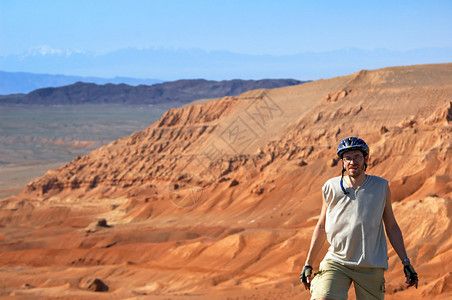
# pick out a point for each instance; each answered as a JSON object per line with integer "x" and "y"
{"x": 392, "y": 228}
{"x": 318, "y": 237}
{"x": 317, "y": 241}
{"x": 395, "y": 234}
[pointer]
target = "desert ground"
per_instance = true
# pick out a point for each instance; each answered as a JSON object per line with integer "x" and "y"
{"x": 218, "y": 200}
{"x": 37, "y": 138}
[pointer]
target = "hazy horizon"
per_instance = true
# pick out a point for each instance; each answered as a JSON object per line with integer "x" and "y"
{"x": 170, "y": 65}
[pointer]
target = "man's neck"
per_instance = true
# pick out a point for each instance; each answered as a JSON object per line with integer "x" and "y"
{"x": 356, "y": 182}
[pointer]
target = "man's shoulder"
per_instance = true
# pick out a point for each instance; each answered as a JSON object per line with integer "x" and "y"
{"x": 377, "y": 179}
{"x": 333, "y": 180}
{"x": 331, "y": 187}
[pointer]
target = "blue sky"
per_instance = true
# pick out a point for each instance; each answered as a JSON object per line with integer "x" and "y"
{"x": 248, "y": 27}
{"x": 252, "y": 27}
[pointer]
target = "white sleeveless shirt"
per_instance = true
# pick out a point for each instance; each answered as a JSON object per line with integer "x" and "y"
{"x": 354, "y": 223}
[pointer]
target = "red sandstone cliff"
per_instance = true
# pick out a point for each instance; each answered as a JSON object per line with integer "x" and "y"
{"x": 220, "y": 199}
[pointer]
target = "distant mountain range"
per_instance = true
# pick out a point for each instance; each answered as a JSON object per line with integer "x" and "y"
{"x": 174, "y": 64}
{"x": 174, "y": 92}
{"x": 22, "y": 82}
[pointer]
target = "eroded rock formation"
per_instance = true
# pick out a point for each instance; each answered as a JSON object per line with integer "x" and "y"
{"x": 220, "y": 199}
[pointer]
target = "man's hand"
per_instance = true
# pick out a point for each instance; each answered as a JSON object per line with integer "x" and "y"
{"x": 411, "y": 275}
{"x": 305, "y": 276}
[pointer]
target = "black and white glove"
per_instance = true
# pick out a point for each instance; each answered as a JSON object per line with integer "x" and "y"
{"x": 307, "y": 271}
{"x": 410, "y": 275}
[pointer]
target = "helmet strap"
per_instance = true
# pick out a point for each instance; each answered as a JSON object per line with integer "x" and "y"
{"x": 342, "y": 181}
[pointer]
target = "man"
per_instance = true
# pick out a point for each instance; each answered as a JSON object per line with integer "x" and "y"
{"x": 355, "y": 206}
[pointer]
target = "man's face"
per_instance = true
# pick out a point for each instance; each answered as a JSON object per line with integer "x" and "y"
{"x": 354, "y": 161}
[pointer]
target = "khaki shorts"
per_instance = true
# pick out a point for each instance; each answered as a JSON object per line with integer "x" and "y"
{"x": 334, "y": 280}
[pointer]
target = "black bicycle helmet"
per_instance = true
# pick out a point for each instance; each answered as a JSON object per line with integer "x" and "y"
{"x": 352, "y": 143}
